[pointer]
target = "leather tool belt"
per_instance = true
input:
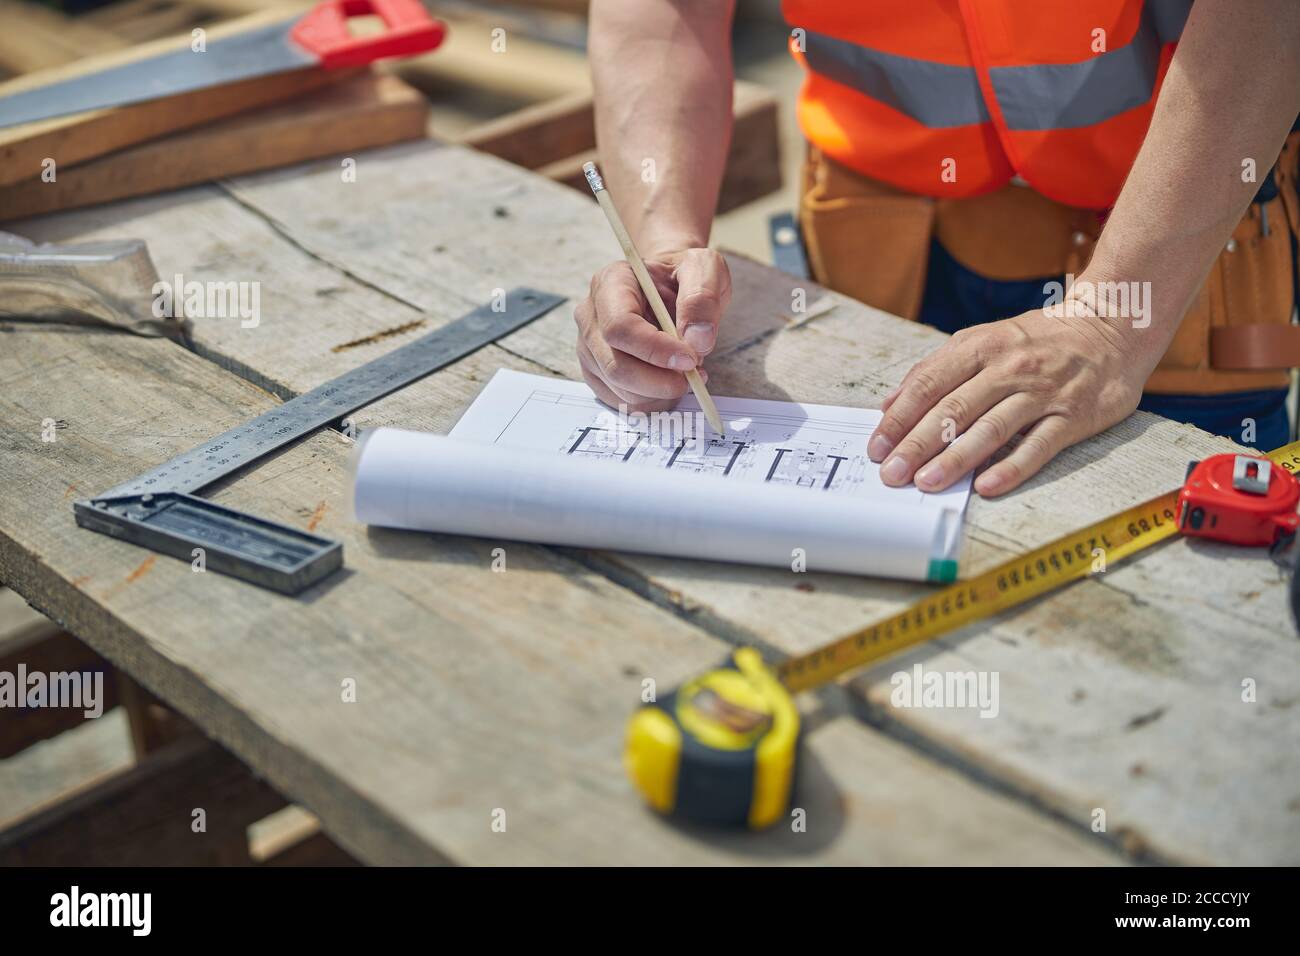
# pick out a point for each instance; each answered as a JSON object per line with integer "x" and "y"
{"x": 871, "y": 241}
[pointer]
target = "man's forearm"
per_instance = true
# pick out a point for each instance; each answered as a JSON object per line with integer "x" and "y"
{"x": 662, "y": 75}
{"x": 1231, "y": 94}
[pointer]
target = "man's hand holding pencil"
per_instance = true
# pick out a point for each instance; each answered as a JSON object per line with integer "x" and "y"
{"x": 626, "y": 358}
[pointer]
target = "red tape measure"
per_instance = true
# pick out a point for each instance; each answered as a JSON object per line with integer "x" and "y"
{"x": 1238, "y": 499}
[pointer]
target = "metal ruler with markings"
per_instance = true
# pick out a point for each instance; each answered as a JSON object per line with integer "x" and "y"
{"x": 160, "y": 510}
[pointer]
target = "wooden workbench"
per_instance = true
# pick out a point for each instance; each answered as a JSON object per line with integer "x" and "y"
{"x": 478, "y": 692}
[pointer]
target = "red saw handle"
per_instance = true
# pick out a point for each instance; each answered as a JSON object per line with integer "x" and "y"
{"x": 408, "y": 29}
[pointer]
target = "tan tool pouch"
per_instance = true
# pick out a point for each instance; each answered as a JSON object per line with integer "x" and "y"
{"x": 1238, "y": 335}
{"x": 871, "y": 241}
{"x": 865, "y": 239}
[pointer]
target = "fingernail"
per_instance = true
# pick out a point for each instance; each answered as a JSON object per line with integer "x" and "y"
{"x": 894, "y": 471}
{"x": 700, "y": 336}
{"x": 681, "y": 363}
{"x": 931, "y": 476}
{"x": 879, "y": 447}
{"x": 989, "y": 483}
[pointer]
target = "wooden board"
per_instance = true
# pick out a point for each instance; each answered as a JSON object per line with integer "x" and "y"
{"x": 539, "y": 134}
{"x": 137, "y": 21}
{"x": 475, "y": 691}
{"x": 1209, "y": 777}
{"x": 481, "y": 54}
{"x": 69, "y": 140}
{"x": 149, "y": 814}
{"x": 18, "y": 622}
{"x": 366, "y": 111}
{"x": 84, "y": 756}
{"x": 36, "y": 38}
{"x": 49, "y": 652}
{"x": 556, "y": 138}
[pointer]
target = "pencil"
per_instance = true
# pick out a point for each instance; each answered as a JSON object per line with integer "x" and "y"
{"x": 648, "y": 287}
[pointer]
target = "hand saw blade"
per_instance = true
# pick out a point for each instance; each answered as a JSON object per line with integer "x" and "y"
{"x": 256, "y": 53}
{"x": 319, "y": 39}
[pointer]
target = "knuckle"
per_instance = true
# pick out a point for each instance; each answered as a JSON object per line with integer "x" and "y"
{"x": 1036, "y": 447}
{"x": 959, "y": 458}
{"x": 890, "y": 425}
{"x": 996, "y": 426}
{"x": 617, "y": 332}
{"x": 1023, "y": 365}
{"x": 603, "y": 282}
{"x": 925, "y": 385}
{"x": 956, "y": 408}
{"x": 582, "y": 313}
{"x": 1014, "y": 471}
{"x": 697, "y": 305}
{"x": 911, "y": 448}
{"x": 611, "y": 367}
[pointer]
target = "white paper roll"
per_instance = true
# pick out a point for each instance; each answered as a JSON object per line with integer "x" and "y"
{"x": 426, "y": 482}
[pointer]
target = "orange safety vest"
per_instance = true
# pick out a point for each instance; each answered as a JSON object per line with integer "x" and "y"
{"x": 955, "y": 98}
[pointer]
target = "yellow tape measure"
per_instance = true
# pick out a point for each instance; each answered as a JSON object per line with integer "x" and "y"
{"x": 721, "y": 748}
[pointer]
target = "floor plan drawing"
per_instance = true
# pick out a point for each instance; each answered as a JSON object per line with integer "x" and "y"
{"x": 817, "y": 447}
{"x": 786, "y": 485}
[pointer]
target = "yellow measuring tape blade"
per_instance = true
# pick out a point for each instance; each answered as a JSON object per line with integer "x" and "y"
{"x": 1006, "y": 586}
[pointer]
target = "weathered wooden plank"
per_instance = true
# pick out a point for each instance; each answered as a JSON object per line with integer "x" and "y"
{"x": 293, "y": 837}
{"x": 138, "y": 21}
{"x": 538, "y": 134}
{"x": 36, "y": 38}
{"x": 18, "y": 621}
{"x": 555, "y": 139}
{"x": 507, "y": 228}
{"x": 368, "y": 110}
{"x": 52, "y": 769}
{"x": 482, "y": 55}
{"x": 48, "y": 650}
{"x": 441, "y": 228}
{"x": 152, "y": 724}
{"x": 475, "y": 691}
{"x": 314, "y": 850}
{"x": 67, "y": 140}
{"x": 187, "y": 804}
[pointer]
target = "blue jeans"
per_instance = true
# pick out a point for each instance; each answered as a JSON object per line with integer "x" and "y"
{"x": 956, "y": 298}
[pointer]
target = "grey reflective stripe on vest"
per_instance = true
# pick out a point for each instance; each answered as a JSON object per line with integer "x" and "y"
{"x": 934, "y": 94}
{"x": 1084, "y": 94}
{"x": 1031, "y": 97}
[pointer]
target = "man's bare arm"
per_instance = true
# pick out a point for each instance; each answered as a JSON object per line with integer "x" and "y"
{"x": 1231, "y": 93}
{"x": 663, "y": 78}
{"x": 662, "y": 75}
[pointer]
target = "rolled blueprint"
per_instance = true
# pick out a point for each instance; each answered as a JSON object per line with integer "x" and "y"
{"x": 425, "y": 482}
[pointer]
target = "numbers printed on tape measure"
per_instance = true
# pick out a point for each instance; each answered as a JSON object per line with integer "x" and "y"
{"x": 1001, "y": 588}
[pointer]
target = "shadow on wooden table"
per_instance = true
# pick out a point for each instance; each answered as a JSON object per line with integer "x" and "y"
{"x": 823, "y": 816}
